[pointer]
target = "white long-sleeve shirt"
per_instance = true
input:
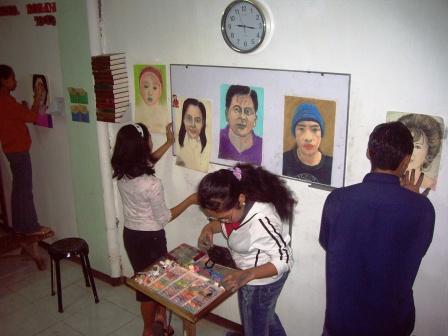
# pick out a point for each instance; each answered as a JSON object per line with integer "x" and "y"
{"x": 144, "y": 206}
{"x": 260, "y": 239}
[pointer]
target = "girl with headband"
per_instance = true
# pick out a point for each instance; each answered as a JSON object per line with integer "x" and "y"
{"x": 249, "y": 206}
{"x": 144, "y": 209}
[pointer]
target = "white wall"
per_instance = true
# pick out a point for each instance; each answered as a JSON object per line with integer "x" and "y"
{"x": 30, "y": 49}
{"x": 396, "y": 52}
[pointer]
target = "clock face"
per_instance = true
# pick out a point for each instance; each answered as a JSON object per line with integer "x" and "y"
{"x": 243, "y": 26}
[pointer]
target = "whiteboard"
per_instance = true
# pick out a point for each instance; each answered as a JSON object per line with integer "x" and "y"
{"x": 205, "y": 82}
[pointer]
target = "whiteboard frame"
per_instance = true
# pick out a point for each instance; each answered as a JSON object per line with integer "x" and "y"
{"x": 204, "y": 82}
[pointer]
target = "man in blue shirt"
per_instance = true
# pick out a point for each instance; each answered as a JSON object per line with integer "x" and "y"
{"x": 375, "y": 235}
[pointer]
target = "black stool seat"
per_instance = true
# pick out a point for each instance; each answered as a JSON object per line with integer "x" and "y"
{"x": 65, "y": 249}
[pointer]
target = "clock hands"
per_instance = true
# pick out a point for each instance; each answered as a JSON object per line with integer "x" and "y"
{"x": 244, "y": 26}
{"x": 242, "y": 23}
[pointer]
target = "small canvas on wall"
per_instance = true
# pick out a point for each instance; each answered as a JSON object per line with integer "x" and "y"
{"x": 241, "y": 123}
{"x": 308, "y": 139}
{"x": 193, "y": 132}
{"x": 41, "y": 82}
{"x": 428, "y": 133}
{"x": 150, "y": 97}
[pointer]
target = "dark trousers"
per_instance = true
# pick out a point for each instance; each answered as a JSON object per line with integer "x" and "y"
{"x": 23, "y": 212}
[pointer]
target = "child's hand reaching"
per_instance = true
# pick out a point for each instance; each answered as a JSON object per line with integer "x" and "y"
{"x": 193, "y": 198}
{"x": 169, "y": 133}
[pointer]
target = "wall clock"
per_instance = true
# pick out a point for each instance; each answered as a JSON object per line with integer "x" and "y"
{"x": 244, "y": 25}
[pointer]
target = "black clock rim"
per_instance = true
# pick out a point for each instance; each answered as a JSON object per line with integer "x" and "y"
{"x": 223, "y": 32}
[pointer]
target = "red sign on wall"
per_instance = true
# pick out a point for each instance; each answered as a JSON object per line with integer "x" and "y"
{"x": 9, "y": 11}
{"x": 42, "y": 7}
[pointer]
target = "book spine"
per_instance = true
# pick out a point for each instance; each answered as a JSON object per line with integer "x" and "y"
{"x": 107, "y": 57}
{"x": 108, "y": 72}
{"x": 118, "y": 91}
{"x": 107, "y": 63}
{"x": 106, "y": 67}
{"x": 112, "y": 98}
{"x": 112, "y": 110}
{"x": 118, "y": 97}
{"x": 112, "y": 105}
{"x": 110, "y": 81}
{"x": 110, "y": 86}
{"x": 109, "y": 76}
{"x": 110, "y": 115}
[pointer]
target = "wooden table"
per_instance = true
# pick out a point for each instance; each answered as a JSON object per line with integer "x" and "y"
{"x": 189, "y": 319}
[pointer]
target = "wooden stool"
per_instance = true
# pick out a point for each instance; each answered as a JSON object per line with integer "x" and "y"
{"x": 64, "y": 249}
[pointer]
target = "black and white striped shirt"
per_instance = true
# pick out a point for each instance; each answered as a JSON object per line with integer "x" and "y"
{"x": 259, "y": 240}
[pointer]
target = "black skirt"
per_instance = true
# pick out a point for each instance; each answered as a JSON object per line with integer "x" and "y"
{"x": 143, "y": 249}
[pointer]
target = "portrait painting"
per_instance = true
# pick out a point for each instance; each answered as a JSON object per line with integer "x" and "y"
{"x": 241, "y": 123}
{"x": 427, "y": 132}
{"x": 40, "y": 83}
{"x": 308, "y": 139}
{"x": 151, "y": 97}
{"x": 193, "y": 132}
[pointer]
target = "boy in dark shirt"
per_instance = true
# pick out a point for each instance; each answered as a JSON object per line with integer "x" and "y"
{"x": 375, "y": 235}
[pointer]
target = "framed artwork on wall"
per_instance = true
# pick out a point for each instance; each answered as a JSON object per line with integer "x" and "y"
{"x": 266, "y": 102}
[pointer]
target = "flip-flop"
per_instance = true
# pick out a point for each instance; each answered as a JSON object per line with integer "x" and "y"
{"x": 168, "y": 331}
{"x": 157, "y": 329}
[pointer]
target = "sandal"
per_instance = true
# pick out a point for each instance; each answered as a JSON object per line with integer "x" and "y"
{"x": 168, "y": 331}
{"x": 157, "y": 329}
{"x": 160, "y": 322}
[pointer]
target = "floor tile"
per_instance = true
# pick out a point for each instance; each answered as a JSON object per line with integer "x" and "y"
{"x": 98, "y": 319}
{"x": 28, "y": 308}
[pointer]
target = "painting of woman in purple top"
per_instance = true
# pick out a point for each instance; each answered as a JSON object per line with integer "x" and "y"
{"x": 237, "y": 140}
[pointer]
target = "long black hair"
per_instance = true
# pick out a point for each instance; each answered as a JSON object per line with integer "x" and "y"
{"x": 220, "y": 190}
{"x": 45, "y": 84}
{"x": 182, "y": 130}
{"x": 5, "y": 72}
{"x": 132, "y": 153}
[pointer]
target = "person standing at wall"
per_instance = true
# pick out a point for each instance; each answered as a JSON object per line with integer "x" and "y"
{"x": 249, "y": 205}
{"x": 375, "y": 235}
{"x": 16, "y": 143}
{"x": 144, "y": 208}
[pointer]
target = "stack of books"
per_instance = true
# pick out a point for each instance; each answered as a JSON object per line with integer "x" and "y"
{"x": 111, "y": 87}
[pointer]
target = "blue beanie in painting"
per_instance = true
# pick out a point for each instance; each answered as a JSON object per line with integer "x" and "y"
{"x": 307, "y": 112}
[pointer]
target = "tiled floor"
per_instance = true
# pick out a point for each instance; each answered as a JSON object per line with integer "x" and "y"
{"x": 27, "y": 307}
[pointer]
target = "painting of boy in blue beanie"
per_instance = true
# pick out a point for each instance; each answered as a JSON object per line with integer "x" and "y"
{"x": 305, "y": 161}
